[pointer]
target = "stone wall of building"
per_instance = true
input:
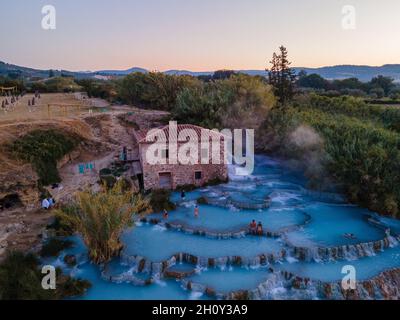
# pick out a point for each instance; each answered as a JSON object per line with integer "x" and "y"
{"x": 182, "y": 174}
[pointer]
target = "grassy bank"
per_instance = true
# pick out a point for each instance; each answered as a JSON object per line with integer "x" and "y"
{"x": 358, "y": 147}
{"x": 42, "y": 149}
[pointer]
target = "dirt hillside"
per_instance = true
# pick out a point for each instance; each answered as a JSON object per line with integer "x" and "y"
{"x": 102, "y": 134}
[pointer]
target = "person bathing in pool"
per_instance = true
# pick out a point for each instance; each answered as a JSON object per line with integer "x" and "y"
{"x": 165, "y": 214}
{"x": 350, "y": 236}
{"x": 259, "y": 229}
{"x": 253, "y": 227}
{"x": 196, "y": 211}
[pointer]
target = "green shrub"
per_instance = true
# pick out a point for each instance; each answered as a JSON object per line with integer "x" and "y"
{"x": 42, "y": 149}
{"x": 21, "y": 279}
{"x": 202, "y": 200}
{"x": 59, "y": 226}
{"x": 54, "y": 246}
{"x": 105, "y": 172}
{"x": 102, "y": 217}
{"x": 159, "y": 200}
{"x": 108, "y": 181}
{"x": 74, "y": 287}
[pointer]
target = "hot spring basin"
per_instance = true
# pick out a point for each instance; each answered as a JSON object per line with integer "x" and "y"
{"x": 222, "y": 220}
{"x": 158, "y": 244}
{"x": 231, "y": 279}
{"x": 329, "y": 223}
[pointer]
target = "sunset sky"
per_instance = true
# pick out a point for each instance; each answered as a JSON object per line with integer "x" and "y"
{"x": 197, "y": 35}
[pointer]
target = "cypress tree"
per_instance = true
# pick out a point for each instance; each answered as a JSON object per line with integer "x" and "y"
{"x": 281, "y": 76}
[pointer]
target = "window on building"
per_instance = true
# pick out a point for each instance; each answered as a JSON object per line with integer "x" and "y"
{"x": 165, "y": 154}
{"x": 197, "y": 175}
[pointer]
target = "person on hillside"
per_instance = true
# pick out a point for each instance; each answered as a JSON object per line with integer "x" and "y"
{"x": 259, "y": 229}
{"x": 196, "y": 211}
{"x": 165, "y": 214}
{"x": 45, "y": 204}
{"x": 52, "y": 202}
{"x": 253, "y": 227}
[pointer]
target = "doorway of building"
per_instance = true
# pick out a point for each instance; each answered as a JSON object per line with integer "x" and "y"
{"x": 165, "y": 179}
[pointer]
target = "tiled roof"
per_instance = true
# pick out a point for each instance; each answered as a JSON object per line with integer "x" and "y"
{"x": 196, "y": 131}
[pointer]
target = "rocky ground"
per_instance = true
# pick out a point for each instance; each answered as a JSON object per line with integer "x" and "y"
{"x": 104, "y": 135}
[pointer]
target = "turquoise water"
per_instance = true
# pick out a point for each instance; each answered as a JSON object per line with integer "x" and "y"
{"x": 234, "y": 278}
{"x": 366, "y": 268}
{"x": 106, "y": 290}
{"x": 302, "y": 217}
{"x": 157, "y": 244}
{"x": 329, "y": 223}
{"x": 220, "y": 219}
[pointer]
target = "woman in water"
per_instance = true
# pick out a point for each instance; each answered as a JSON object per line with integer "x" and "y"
{"x": 165, "y": 215}
{"x": 260, "y": 229}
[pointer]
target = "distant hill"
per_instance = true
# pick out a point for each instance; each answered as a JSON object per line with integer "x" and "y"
{"x": 120, "y": 72}
{"x": 363, "y": 73}
{"x": 186, "y": 72}
{"x": 11, "y": 70}
{"x": 6, "y": 69}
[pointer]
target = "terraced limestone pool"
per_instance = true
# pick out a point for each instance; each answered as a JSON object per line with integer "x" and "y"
{"x": 214, "y": 257}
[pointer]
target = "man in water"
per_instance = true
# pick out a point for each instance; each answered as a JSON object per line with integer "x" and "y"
{"x": 253, "y": 227}
{"x": 196, "y": 211}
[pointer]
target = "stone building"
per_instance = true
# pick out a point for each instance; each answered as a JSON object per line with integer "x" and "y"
{"x": 202, "y": 150}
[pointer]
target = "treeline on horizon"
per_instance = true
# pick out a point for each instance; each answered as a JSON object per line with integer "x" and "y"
{"x": 377, "y": 88}
{"x": 329, "y": 127}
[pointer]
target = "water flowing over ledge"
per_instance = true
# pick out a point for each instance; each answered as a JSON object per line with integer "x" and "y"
{"x": 299, "y": 256}
{"x": 346, "y": 252}
{"x": 384, "y": 286}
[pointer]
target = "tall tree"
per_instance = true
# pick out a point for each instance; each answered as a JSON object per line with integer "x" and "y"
{"x": 281, "y": 76}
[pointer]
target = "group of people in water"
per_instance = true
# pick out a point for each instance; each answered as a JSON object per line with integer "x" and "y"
{"x": 256, "y": 228}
